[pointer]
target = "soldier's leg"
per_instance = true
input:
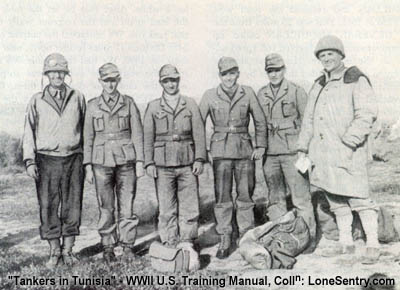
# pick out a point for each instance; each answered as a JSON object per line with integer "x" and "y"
{"x": 188, "y": 204}
{"x": 166, "y": 187}
{"x": 104, "y": 181}
{"x": 300, "y": 191}
{"x": 223, "y": 209}
{"x": 244, "y": 171}
{"x": 125, "y": 189}
{"x": 276, "y": 187}
{"x": 47, "y": 186}
{"x": 325, "y": 219}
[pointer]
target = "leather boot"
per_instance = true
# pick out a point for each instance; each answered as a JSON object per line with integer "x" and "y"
{"x": 108, "y": 255}
{"x": 369, "y": 220}
{"x": 224, "y": 246}
{"x": 55, "y": 254}
{"x": 68, "y": 258}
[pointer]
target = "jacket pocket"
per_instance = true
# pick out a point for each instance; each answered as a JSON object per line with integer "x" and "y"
{"x": 98, "y": 152}
{"x": 187, "y": 122}
{"x": 129, "y": 152}
{"x": 159, "y": 153}
{"x": 123, "y": 121}
{"x": 190, "y": 152}
{"x": 246, "y": 144}
{"x": 266, "y": 108}
{"x": 98, "y": 123}
{"x": 288, "y": 109}
{"x": 244, "y": 108}
{"x": 161, "y": 122}
{"x": 291, "y": 141}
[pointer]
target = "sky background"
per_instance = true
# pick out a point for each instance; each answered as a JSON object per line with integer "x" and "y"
{"x": 141, "y": 36}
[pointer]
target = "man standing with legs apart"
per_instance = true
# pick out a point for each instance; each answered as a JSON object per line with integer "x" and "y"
{"x": 230, "y": 106}
{"x": 113, "y": 156}
{"x": 337, "y": 122}
{"x": 283, "y": 103}
{"x": 174, "y": 141}
{"x": 52, "y": 149}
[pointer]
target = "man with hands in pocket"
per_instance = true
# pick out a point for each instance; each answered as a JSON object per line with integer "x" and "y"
{"x": 174, "y": 142}
{"x": 113, "y": 159}
{"x": 230, "y": 106}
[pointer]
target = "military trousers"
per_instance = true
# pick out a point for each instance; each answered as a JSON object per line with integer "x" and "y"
{"x": 59, "y": 188}
{"x": 116, "y": 186}
{"x": 243, "y": 170}
{"x": 281, "y": 175}
{"x": 178, "y": 202}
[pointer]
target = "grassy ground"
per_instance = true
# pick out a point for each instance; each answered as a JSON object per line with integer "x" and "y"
{"x": 23, "y": 254}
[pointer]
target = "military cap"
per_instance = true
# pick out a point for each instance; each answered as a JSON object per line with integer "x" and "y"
{"x": 55, "y": 62}
{"x": 226, "y": 63}
{"x": 108, "y": 71}
{"x": 168, "y": 71}
{"x": 274, "y": 60}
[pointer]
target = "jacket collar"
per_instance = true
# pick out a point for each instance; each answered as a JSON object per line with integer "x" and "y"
{"x": 238, "y": 95}
{"x": 335, "y": 75}
{"x": 179, "y": 107}
{"x": 283, "y": 89}
{"x": 103, "y": 106}
{"x": 48, "y": 98}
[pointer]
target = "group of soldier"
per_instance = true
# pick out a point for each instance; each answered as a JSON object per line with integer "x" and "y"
{"x": 104, "y": 141}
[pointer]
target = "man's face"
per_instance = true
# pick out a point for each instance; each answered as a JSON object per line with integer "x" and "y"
{"x": 110, "y": 85}
{"x": 56, "y": 78}
{"x": 330, "y": 59}
{"x": 170, "y": 85}
{"x": 229, "y": 78}
{"x": 276, "y": 75}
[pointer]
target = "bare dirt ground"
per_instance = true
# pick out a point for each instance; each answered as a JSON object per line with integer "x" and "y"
{"x": 23, "y": 253}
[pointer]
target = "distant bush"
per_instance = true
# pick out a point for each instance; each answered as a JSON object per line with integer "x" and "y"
{"x": 10, "y": 151}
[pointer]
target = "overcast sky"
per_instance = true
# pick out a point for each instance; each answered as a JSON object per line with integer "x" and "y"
{"x": 141, "y": 36}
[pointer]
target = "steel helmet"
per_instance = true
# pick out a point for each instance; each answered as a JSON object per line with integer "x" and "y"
{"x": 55, "y": 62}
{"x": 329, "y": 42}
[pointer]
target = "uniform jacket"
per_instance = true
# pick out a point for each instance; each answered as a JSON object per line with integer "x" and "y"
{"x": 173, "y": 138}
{"x": 231, "y": 118}
{"x": 112, "y": 137}
{"x": 336, "y": 124}
{"x": 53, "y": 131}
{"x": 284, "y": 113}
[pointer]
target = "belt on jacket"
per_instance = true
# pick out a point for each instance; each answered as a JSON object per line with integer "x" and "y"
{"x": 174, "y": 137}
{"x": 114, "y": 136}
{"x": 284, "y": 125}
{"x": 230, "y": 129}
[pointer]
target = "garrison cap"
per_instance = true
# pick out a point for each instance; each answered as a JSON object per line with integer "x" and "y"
{"x": 55, "y": 62}
{"x": 168, "y": 71}
{"x": 274, "y": 60}
{"x": 226, "y": 63}
{"x": 108, "y": 71}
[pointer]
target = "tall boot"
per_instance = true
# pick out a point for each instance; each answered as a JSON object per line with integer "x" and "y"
{"x": 55, "y": 254}
{"x": 344, "y": 219}
{"x": 68, "y": 243}
{"x": 224, "y": 248}
{"x": 369, "y": 220}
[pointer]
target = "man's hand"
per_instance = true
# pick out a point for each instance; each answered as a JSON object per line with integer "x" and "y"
{"x": 32, "y": 171}
{"x": 89, "y": 173}
{"x": 257, "y": 153}
{"x": 151, "y": 171}
{"x": 198, "y": 168}
{"x": 139, "y": 169}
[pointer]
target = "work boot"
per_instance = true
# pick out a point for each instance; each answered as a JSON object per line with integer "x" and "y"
{"x": 55, "y": 254}
{"x": 224, "y": 247}
{"x": 371, "y": 256}
{"x": 128, "y": 253}
{"x": 67, "y": 256}
{"x": 108, "y": 255}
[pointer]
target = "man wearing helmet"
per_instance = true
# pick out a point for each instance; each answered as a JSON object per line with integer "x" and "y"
{"x": 174, "y": 142}
{"x": 52, "y": 152}
{"x": 337, "y": 122}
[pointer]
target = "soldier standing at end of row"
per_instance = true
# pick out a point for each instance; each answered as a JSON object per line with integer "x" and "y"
{"x": 283, "y": 103}
{"x": 174, "y": 140}
{"x": 230, "y": 106}
{"x": 337, "y": 122}
{"x": 113, "y": 155}
{"x": 52, "y": 152}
